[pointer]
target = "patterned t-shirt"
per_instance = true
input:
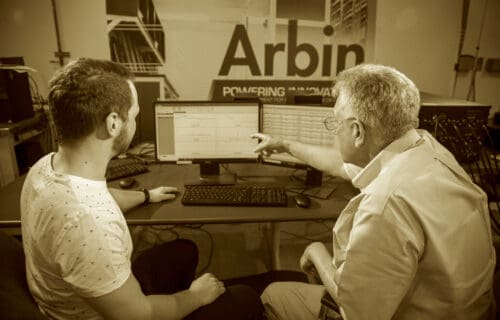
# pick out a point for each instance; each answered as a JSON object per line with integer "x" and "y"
{"x": 76, "y": 241}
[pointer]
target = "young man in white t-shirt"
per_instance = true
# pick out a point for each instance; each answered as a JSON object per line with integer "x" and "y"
{"x": 76, "y": 240}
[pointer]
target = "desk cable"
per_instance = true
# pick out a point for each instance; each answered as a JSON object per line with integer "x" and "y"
{"x": 155, "y": 232}
{"x": 317, "y": 236}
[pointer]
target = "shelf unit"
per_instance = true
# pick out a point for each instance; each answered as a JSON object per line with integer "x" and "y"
{"x": 137, "y": 40}
{"x": 346, "y": 14}
{"x": 136, "y": 36}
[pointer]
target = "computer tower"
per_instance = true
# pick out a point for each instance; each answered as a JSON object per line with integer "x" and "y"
{"x": 15, "y": 96}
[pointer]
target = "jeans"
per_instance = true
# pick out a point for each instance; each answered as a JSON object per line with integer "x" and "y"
{"x": 171, "y": 266}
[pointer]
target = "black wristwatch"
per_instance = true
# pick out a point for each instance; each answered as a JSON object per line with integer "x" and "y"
{"x": 146, "y": 196}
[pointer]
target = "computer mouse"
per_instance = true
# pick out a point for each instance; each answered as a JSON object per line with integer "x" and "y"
{"x": 301, "y": 200}
{"x": 127, "y": 183}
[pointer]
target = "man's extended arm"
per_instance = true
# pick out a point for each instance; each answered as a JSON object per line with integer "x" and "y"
{"x": 128, "y": 199}
{"x": 128, "y": 301}
{"x": 327, "y": 159}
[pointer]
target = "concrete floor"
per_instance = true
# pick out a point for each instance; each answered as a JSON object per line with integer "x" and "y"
{"x": 231, "y": 251}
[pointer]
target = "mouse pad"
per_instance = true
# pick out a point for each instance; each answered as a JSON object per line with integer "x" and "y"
{"x": 322, "y": 192}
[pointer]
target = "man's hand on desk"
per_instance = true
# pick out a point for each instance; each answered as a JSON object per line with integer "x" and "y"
{"x": 162, "y": 193}
{"x": 128, "y": 199}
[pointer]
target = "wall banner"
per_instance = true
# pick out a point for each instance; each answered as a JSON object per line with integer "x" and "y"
{"x": 271, "y": 91}
{"x": 295, "y": 54}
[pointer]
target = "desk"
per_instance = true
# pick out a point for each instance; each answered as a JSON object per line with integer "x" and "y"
{"x": 173, "y": 212}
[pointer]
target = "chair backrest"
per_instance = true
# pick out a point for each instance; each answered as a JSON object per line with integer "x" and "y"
{"x": 16, "y": 301}
{"x": 496, "y": 278}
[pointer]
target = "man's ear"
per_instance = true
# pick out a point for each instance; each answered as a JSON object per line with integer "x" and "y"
{"x": 113, "y": 124}
{"x": 358, "y": 133}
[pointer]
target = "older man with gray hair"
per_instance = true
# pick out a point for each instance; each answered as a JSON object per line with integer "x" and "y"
{"x": 416, "y": 242}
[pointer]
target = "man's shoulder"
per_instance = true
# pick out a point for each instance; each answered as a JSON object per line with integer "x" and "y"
{"x": 39, "y": 174}
{"x": 53, "y": 205}
{"x": 403, "y": 168}
{"x": 411, "y": 172}
{"x": 44, "y": 163}
{"x": 427, "y": 154}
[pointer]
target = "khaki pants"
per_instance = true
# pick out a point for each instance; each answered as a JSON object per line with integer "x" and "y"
{"x": 292, "y": 300}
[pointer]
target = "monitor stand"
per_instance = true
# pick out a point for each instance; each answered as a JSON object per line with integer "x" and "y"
{"x": 315, "y": 187}
{"x": 210, "y": 175}
{"x": 314, "y": 178}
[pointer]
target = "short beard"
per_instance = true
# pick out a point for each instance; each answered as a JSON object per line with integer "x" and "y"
{"x": 121, "y": 142}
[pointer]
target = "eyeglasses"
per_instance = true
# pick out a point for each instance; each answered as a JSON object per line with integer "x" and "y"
{"x": 333, "y": 124}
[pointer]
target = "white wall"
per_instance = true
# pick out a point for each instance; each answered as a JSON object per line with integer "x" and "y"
{"x": 418, "y": 37}
{"x": 197, "y": 37}
{"x": 487, "y": 84}
{"x": 194, "y": 54}
{"x": 27, "y": 29}
{"x": 82, "y": 26}
{"x": 421, "y": 38}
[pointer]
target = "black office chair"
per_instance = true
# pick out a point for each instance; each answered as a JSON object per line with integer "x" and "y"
{"x": 329, "y": 308}
{"x": 16, "y": 301}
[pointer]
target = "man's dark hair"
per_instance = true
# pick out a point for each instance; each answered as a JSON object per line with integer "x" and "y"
{"x": 84, "y": 92}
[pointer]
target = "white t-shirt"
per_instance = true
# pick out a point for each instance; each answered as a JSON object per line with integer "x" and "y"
{"x": 76, "y": 241}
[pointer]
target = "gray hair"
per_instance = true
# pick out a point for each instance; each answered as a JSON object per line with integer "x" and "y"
{"x": 381, "y": 97}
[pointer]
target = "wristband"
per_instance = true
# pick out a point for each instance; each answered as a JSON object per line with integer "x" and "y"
{"x": 146, "y": 196}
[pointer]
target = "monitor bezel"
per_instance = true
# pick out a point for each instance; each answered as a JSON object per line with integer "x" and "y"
{"x": 248, "y": 101}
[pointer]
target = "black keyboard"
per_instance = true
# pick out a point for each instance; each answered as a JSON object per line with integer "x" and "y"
{"x": 235, "y": 195}
{"x": 121, "y": 168}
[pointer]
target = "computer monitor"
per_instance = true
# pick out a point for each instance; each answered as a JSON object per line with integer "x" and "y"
{"x": 206, "y": 133}
{"x": 303, "y": 123}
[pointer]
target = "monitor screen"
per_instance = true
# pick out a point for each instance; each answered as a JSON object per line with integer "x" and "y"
{"x": 303, "y": 123}
{"x": 206, "y": 131}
